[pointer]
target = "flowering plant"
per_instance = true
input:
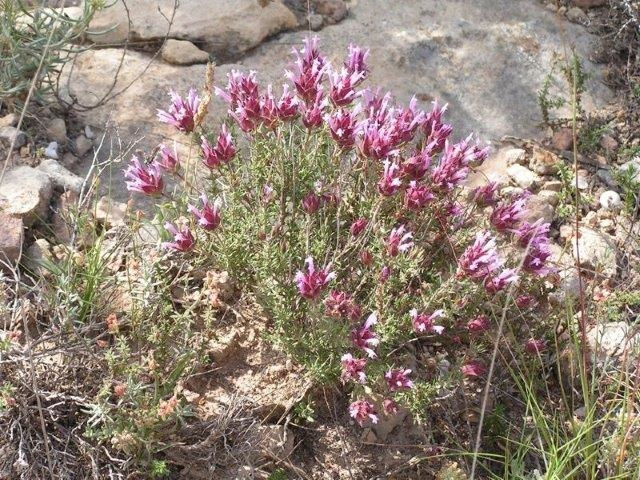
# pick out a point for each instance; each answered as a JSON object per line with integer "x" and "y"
{"x": 348, "y": 217}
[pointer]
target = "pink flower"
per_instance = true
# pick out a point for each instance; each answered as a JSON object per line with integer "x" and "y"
{"x": 169, "y": 160}
{"x": 341, "y": 305}
{"x": 536, "y": 258}
{"x": 405, "y": 122}
{"x": 267, "y": 193}
{"x": 364, "y": 338}
{"x": 534, "y": 347}
{"x": 357, "y": 61}
{"x": 473, "y": 368}
{"x": 182, "y": 112}
{"x": 525, "y": 301}
{"x": 268, "y": 109}
{"x": 389, "y": 183}
{"x": 342, "y": 87}
{"x": 480, "y": 259}
{"x": 417, "y": 196}
{"x": 532, "y": 232}
{"x": 209, "y": 217}
{"x": 183, "y": 239}
{"x": 311, "y": 283}
{"x": 385, "y": 273}
{"x": 358, "y": 226}
{"x": 365, "y": 257}
{"x": 311, "y": 203}
{"x": 506, "y": 215}
{"x": 376, "y": 140}
{"x": 377, "y": 107}
{"x": 398, "y": 379}
{"x": 144, "y": 179}
{"x": 313, "y": 112}
{"x": 223, "y": 151}
{"x": 434, "y": 129}
{"x": 399, "y": 241}
{"x": 361, "y": 410}
{"x": 416, "y": 166}
{"x": 423, "y": 323}
{"x": 453, "y": 167}
{"x": 353, "y": 368}
{"x": 343, "y": 127}
{"x": 310, "y": 70}
{"x": 389, "y": 406}
{"x": 486, "y": 194}
{"x": 240, "y": 88}
{"x": 288, "y": 105}
{"x": 497, "y": 283}
{"x": 478, "y": 324}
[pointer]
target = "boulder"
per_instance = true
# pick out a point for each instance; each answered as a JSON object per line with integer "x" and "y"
{"x": 25, "y": 192}
{"x": 226, "y": 28}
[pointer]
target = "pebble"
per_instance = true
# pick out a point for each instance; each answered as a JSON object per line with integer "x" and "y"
{"x": 12, "y": 134}
{"x": 83, "y": 145}
{"x": 11, "y": 236}
{"x": 553, "y": 185}
{"x": 582, "y": 182}
{"x": 89, "y": 133}
{"x": 523, "y": 177}
{"x": 27, "y": 193}
{"x": 610, "y": 200}
{"x": 544, "y": 162}
{"x": 9, "y": 120}
{"x": 605, "y": 176}
{"x": 515, "y": 155}
{"x": 633, "y": 164}
{"x": 550, "y": 196}
{"x": 60, "y": 176}
{"x": 57, "y": 130}
{"x": 183, "y": 52}
{"x": 577, "y": 15}
{"x": 51, "y": 151}
{"x": 315, "y": 21}
{"x": 609, "y": 143}
{"x": 596, "y": 251}
{"x": 562, "y": 139}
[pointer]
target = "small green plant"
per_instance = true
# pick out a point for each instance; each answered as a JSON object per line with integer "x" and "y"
{"x": 304, "y": 411}
{"x": 589, "y": 136}
{"x": 158, "y": 469}
{"x": 278, "y": 474}
{"x": 630, "y": 187}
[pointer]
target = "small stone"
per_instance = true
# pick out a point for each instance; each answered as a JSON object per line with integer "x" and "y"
{"x": 609, "y": 143}
{"x": 57, "y": 130}
{"x": 69, "y": 160}
{"x": 582, "y": 181}
{"x": 36, "y": 254}
{"x": 51, "y": 151}
{"x": 550, "y": 196}
{"x": 551, "y": 7}
{"x": 610, "y": 341}
{"x": 577, "y": 15}
{"x": 60, "y": 176}
{"x": 25, "y": 192}
{"x": 9, "y": 120}
{"x": 596, "y": 252}
{"x": 523, "y": 177}
{"x": 89, "y": 133}
{"x": 83, "y": 145}
{"x": 553, "y": 185}
{"x": 224, "y": 346}
{"x": 315, "y": 21}
{"x": 110, "y": 213}
{"x": 515, "y": 155}
{"x": 605, "y": 176}
{"x": 589, "y": 3}
{"x": 566, "y": 231}
{"x": 11, "y": 235}
{"x": 610, "y": 200}
{"x": 544, "y": 162}
{"x": 333, "y": 10}
{"x": 12, "y": 134}
{"x": 562, "y": 139}
{"x": 183, "y": 52}
{"x": 538, "y": 207}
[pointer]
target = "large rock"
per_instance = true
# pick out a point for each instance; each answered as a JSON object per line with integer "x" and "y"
{"x": 611, "y": 341}
{"x": 225, "y": 28}
{"x": 25, "y": 192}
{"x": 596, "y": 251}
{"x": 11, "y": 235}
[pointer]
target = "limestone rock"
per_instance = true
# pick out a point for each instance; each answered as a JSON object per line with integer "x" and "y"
{"x": 11, "y": 235}
{"x": 538, "y": 207}
{"x": 8, "y": 134}
{"x": 543, "y": 161}
{"x": 577, "y": 15}
{"x": 515, "y": 155}
{"x": 9, "y": 120}
{"x": 83, "y": 145}
{"x": 25, "y": 192}
{"x": 36, "y": 254}
{"x": 57, "y": 130}
{"x": 226, "y": 28}
{"x": 610, "y": 200}
{"x": 183, "y": 52}
{"x": 51, "y": 151}
{"x": 610, "y": 341}
{"x": 596, "y": 251}
{"x": 523, "y": 177}
{"x": 60, "y": 176}
{"x": 332, "y": 10}
{"x": 110, "y": 213}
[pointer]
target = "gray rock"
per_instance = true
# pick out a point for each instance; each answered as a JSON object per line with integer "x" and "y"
{"x": 110, "y": 213}
{"x": 89, "y": 133}
{"x": 515, "y": 155}
{"x": 25, "y": 192}
{"x": 544, "y": 162}
{"x": 60, "y": 176}
{"x": 12, "y": 134}
{"x": 596, "y": 251}
{"x": 553, "y": 185}
{"x": 582, "y": 180}
{"x": 51, "y": 151}
{"x": 57, "y": 130}
{"x": 611, "y": 341}
{"x": 332, "y": 10}
{"x": 315, "y": 21}
{"x": 610, "y": 200}
{"x": 577, "y": 15}
{"x": 549, "y": 196}
{"x": 523, "y": 177}
{"x": 605, "y": 176}
{"x": 36, "y": 254}
{"x": 83, "y": 145}
{"x": 227, "y": 28}
{"x": 11, "y": 236}
{"x": 538, "y": 207}
{"x": 183, "y": 52}
{"x": 9, "y": 120}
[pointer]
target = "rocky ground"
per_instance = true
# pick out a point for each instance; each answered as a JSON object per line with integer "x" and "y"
{"x": 488, "y": 59}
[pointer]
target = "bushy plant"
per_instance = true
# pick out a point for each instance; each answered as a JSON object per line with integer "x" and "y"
{"x": 347, "y": 216}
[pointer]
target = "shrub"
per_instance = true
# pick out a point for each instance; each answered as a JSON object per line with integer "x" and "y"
{"x": 347, "y": 216}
